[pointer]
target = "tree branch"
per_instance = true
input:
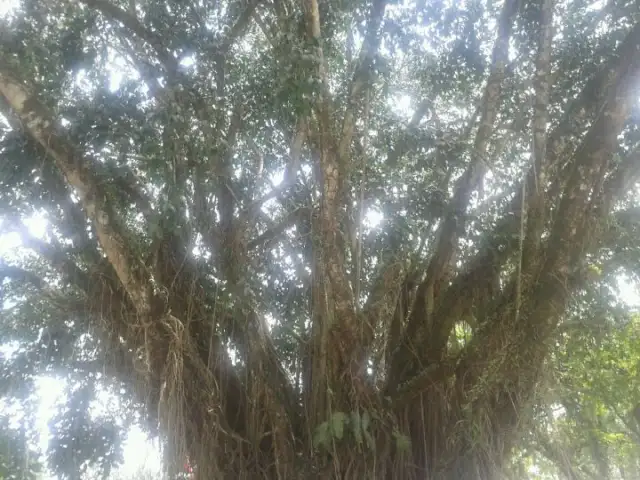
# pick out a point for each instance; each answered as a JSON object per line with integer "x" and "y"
{"x": 382, "y": 299}
{"x": 536, "y": 204}
{"x": 401, "y": 146}
{"x": 273, "y": 233}
{"x": 590, "y": 159}
{"x": 526, "y": 339}
{"x": 132, "y": 23}
{"x": 581, "y": 112}
{"x": 422, "y": 316}
{"x": 239, "y": 26}
{"x": 454, "y": 221}
{"x": 477, "y": 285}
{"x": 21, "y": 275}
{"x": 58, "y": 260}
{"x": 39, "y": 123}
{"x": 361, "y": 76}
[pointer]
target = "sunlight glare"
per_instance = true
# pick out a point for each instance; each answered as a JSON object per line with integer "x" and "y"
{"x": 50, "y": 392}
{"x": 373, "y": 218}
{"x": 276, "y": 178}
{"x": 188, "y": 61}
{"x": 140, "y": 452}
{"x": 37, "y": 225}
{"x": 629, "y": 291}
{"x": 9, "y": 242}
{"x": 7, "y": 7}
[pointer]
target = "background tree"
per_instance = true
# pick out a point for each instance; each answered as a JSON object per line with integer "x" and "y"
{"x": 267, "y": 222}
{"x": 17, "y": 460}
{"x": 586, "y": 422}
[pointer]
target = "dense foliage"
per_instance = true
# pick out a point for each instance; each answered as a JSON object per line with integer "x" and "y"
{"x": 338, "y": 239}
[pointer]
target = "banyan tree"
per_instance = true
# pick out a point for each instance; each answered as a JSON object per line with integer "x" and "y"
{"x": 315, "y": 239}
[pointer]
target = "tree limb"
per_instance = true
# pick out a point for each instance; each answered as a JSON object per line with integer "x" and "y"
{"x": 40, "y": 124}
{"x": 453, "y": 223}
{"x": 239, "y": 26}
{"x": 361, "y": 76}
{"x": 21, "y": 275}
{"x": 535, "y": 220}
{"x": 470, "y": 288}
{"x": 273, "y": 233}
{"x": 526, "y": 340}
{"x": 422, "y": 315}
{"x": 132, "y": 23}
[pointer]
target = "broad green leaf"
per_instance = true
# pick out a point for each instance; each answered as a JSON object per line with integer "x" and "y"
{"x": 338, "y": 420}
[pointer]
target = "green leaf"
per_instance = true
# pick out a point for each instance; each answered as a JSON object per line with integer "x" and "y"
{"x": 322, "y": 436}
{"x": 366, "y": 420}
{"x": 356, "y": 425}
{"x": 403, "y": 442}
{"x": 371, "y": 444}
{"x": 338, "y": 419}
